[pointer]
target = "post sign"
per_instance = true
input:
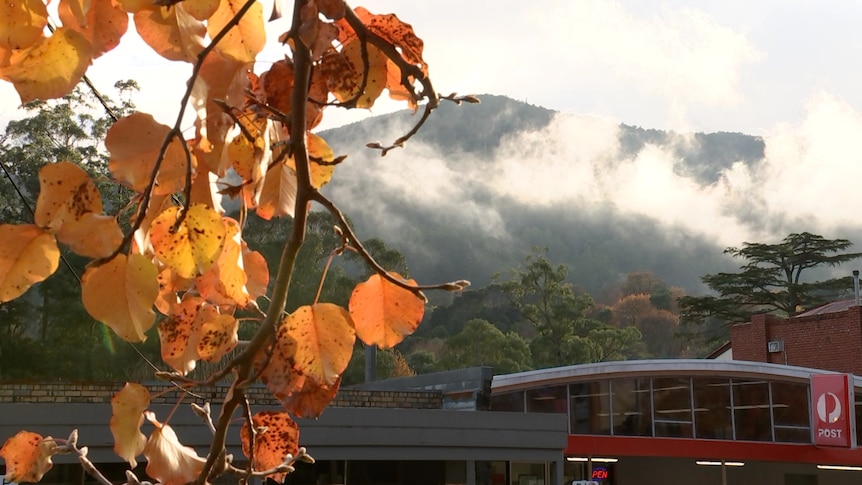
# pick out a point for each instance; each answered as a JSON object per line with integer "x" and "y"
{"x": 832, "y": 409}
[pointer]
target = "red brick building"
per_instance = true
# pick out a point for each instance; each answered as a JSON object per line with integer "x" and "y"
{"x": 828, "y": 337}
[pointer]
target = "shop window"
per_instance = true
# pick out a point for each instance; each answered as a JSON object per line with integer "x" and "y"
{"x": 712, "y": 417}
{"x": 513, "y": 401}
{"x": 547, "y": 400}
{"x": 528, "y": 474}
{"x": 492, "y": 473}
{"x": 751, "y": 410}
{"x": 790, "y": 412}
{"x": 632, "y": 415}
{"x": 672, "y": 401}
{"x": 589, "y": 412}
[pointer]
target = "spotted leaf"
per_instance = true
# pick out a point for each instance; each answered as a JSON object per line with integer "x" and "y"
{"x": 384, "y": 313}
{"x": 27, "y": 456}
{"x": 324, "y": 334}
{"x": 193, "y": 246}
{"x": 28, "y": 255}
{"x": 276, "y": 437}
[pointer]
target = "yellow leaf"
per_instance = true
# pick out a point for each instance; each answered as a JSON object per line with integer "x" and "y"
{"x": 193, "y": 247}
{"x": 383, "y": 312}
{"x": 93, "y": 235}
{"x": 224, "y": 283}
{"x": 201, "y": 9}
{"x": 217, "y": 333}
{"x": 245, "y": 40}
{"x": 28, "y": 255}
{"x": 128, "y": 406}
{"x": 121, "y": 293}
{"x": 66, "y": 193}
{"x": 179, "y": 334}
{"x": 320, "y": 154}
{"x": 278, "y": 374}
{"x": 346, "y": 84}
{"x": 168, "y": 461}
{"x": 324, "y": 335}
{"x": 170, "y": 284}
{"x": 103, "y": 23}
{"x": 171, "y": 32}
{"x": 50, "y": 68}
{"x": 279, "y": 438}
{"x": 28, "y": 456}
{"x": 21, "y": 23}
{"x": 134, "y": 143}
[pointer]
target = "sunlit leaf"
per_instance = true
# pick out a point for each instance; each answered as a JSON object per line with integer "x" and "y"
{"x": 324, "y": 334}
{"x": 201, "y": 9}
{"x": 321, "y": 156}
{"x": 28, "y": 255}
{"x": 278, "y": 194}
{"x": 50, "y": 68}
{"x": 257, "y": 272}
{"x": 121, "y": 293}
{"x": 168, "y": 460}
{"x": 277, "y": 373}
{"x": 345, "y": 74}
{"x": 245, "y": 40}
{"x": 278, "y": 438}
{"x": 179, "y": 334}
{"x": 169, "y": 285}
{"x": 103, "y": 25}
{"x": 224, "y": 283}
{"x": 27, "y": 456}
{"x": 218, "y": 333}
{"x": 66, "y": 193}
{"x": 128, "y": 406}
{"x": 314, "y": 33}
{"x": 383, "y": 312}
{"x": 309, "y": 398}
{"x": 134, "y": 143}
{"x": 172, "y": 32}
{"x": 399, "y": 33}
{"x": 22, "y": 23}
{"x": 93, "y": 235}
{"x": 193, "y": 247}
{"x": 332, "y": 9}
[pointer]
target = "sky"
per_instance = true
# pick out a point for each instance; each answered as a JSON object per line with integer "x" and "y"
{"x": 786, "y": 71}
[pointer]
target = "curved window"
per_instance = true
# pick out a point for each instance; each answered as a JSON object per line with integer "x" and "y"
{"x": 547, "y": 400}
{"x": 589, "y": 412}
{"x": 712, "y": 414}
{"x": 632, "y": 408}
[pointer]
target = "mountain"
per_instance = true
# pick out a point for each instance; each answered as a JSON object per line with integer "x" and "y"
{"x": 480, "y": 185}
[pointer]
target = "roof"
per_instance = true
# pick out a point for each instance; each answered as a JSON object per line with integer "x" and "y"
{"x": 655, "y": 367}
{"x": 832, "y": 307}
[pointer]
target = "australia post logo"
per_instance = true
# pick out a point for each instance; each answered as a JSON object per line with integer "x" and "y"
{"x": 832, "y": 408}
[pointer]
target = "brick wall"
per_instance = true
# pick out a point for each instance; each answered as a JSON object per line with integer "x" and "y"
{"x": 72, "y": 392}
{"x": 830, "y": 341}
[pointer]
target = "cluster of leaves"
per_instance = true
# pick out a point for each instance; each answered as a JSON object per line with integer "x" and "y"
{"x": 181, "y": 256}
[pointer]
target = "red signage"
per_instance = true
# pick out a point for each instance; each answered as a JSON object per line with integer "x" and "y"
{"x": 832, "y": 410}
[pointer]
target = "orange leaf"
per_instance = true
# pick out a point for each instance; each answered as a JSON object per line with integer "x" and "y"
{"x": 169, "y": 285}
{"x": 278, "y": 374}
{"x": 28, "y": 456}
{"x": 257, "y": 271}
{"x": 218, "y": 333}
{"x": 193, "y": 247}
{"x": 168, "y": 461}
{"x": 28, "y": 255}
{"x": 400, "y": 34}
{"x": 318, "y": 150}
{"x": 93, "y": 236}
{"x": 22, "y": 23}
{"x": 66, "y": 193}
{"x": 324, "y": 334}
{"x": 383, "y": 312}
{"x": 103, "y": 25}
{"x": 245, "y": 40}
{"x": 346, "y": 79}
{"x": 224, "y": 283}
{"x": 128, "y": 406}
{"x": 179, "y": 334}
{"x": 172, "y": 32}
{"x": 50, "y": 68}
{"x": 121, "y": 293}
{"x": 201, "y": 9}
{"x": 278, "y": 194}
{"x": 309, "y": 399}
{"x": 280, "y": 437}
{"x": 134, "y": 143}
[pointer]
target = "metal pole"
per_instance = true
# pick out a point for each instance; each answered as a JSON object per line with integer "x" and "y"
{"x": 723, "y": 473}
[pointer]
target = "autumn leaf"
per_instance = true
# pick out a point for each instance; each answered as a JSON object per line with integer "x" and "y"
{"x": 193, "y": 247}
{"x": 278, "y": 438}
{"x": 225, "y": 282}
{"x": 27, "y": 456}
{"x": 66, "y": 193}
{"x": 172, "y": 32}
{"x": 103, "y": 24}
{"x": 245, "y": 40}
{"x": 22, "y": 23}
{"x": 217, "y": 333}
{"x": 345, "y": 75}
{"x": 128, "y": 406}
{"x": 169, "y": 285}
{"x": 134, "y": 143}
{"x": 385, "y": 313}
{"x": 121, "y": 293}
{"x": 277, "y": 372}
{"x": 257, "y": 272}
{"x": 50, "y": 68}
{"x": 93, "y": 235}
{"x": 278, "y": 193}
{"x": 309, "y": 398}
{"x": 168, "y": 461}
{"x": 179, "y": 334}
{"x": 324, "y": 334}
{"x": 28, "y": 255}
{"x": 321, "y": 155}
{"x": 398, "y": 33}
{"x": 201, "y": 9}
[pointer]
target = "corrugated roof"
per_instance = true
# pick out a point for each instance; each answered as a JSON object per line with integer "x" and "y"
{"x": 833, "y": 307}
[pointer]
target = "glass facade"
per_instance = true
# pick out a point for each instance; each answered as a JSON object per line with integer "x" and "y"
{"x": 677, "y": 407}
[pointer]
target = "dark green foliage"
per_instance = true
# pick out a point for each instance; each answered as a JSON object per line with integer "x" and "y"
{"x": 482, "y": 344}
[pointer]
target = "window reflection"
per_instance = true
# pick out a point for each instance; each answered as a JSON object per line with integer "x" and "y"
{"x": 712, "y": 409}
{"x": 631, "y": 407}
{"x": 513, "y": 401}
{"x": 672, "y": 402}
{"x": 547, "y": 400}
{"x": 751, "y": 410}
{"x": 790, "y": 413}
{"x": 590, "y": 408}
